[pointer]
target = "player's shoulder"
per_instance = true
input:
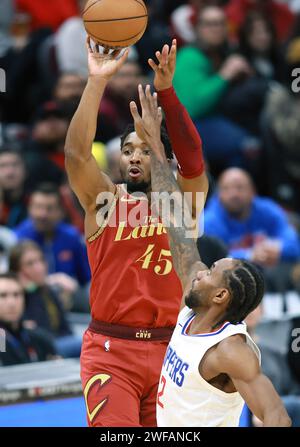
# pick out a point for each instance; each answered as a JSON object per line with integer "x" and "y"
{"x": 234, "y": 355}
{"x": 236, "y": 341}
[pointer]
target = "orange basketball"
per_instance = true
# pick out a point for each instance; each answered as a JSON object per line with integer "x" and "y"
{"x": 115, "y": 23}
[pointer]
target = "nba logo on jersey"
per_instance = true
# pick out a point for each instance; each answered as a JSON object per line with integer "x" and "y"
{"x": 175, "y": 366}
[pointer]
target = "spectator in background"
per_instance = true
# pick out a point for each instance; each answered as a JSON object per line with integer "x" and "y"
{"x": 274, "y": 360}
{"x": 44, "y": 151}
{"x": 252, "y": 227}
{"x": 68, "y": 91}
{"x": 51, "y": 15}
{"x": 282, "y": 136}
{"x": 61, "y": 243}
{"x": 259, "y": 45}
{"x": 275, "y": 365}
{"x": 114, "y": 109}
{"x": 205, "y": 72}
{"x": 7, "y": 241}
{"x": 184, "y": 18}
{"x": 26, "y": 85}
{"x": 6, "y": 42}
{"x": 70, "y": 35}
{"x": 156, "y": 34}
{"x": 43, "y": 306}
{"x": 23, "y": 345}
{"x": 12, "y": 183}
{"x": 245, "y": 100}
{"x": 279, "y": 14}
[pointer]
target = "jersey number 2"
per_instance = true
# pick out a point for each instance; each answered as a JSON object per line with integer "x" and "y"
{"x": 161, "y": 392}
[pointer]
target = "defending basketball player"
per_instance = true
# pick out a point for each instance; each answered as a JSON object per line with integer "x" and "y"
{"x": 211, "y": 365}
{"x": 135, "y": 293}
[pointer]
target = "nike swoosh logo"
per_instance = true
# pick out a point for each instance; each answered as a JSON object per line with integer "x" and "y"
{"x": 124, "y": 199}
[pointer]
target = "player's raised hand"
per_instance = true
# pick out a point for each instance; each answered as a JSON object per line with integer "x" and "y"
{"x": 147, "y": 125}
{"x": 104, "y": 65}
{"x": 165, "y": 69}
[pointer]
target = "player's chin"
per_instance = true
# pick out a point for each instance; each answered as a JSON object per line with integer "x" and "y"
{"x": 138, "y": 185}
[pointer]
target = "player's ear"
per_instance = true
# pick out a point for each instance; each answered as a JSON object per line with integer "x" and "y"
{"x": 221, "y": 297}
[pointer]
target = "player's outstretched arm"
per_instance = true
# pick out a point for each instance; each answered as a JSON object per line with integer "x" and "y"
{"x": 236, "y": 359}
{"x": 184, "y": 250}
{"x": 85, "y": 177}
{"x": 185, "y": 139}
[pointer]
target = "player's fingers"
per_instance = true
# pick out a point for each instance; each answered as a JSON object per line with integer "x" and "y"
{"x": 155, "y": 99}
{"x": 134, "y": 112}
{"x": 159, "y": 115}
{"x": 88, "y": 44}
{"x": 142, "y": 98}
{"x": 148, "y": 92}
{"x": 123, "y": 58}
{"x": 116, "y": 53}
{"x": 165, "y": 55}
{"x": 151, "y": 100}
{"x": 153, "y": 65}
{"x": 158, "y": 56}
{"x": 154, "y": 103}
{"x": 173, "y": 53}
{"x": 149, "y": 97}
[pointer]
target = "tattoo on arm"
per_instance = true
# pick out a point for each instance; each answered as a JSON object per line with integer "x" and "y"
{"x": 184, "y": 250}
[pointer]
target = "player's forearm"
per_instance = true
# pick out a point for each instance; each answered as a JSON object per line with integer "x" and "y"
{"x": 185, "y": 139}
{"x": 82, "y": 129}
{"x": 277, "y": 417}
{"x": 183, "y": 248}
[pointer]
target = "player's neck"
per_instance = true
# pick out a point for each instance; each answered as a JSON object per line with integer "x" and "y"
{"x": 205, "y": 322}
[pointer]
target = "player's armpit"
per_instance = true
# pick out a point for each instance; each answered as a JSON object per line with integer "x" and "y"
{"x": 236, "y": 359}
{"x": 87, "y": 180}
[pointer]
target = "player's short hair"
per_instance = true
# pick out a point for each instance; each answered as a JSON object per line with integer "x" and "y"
{"x": 163, "y": 135}
{"x": 246, "y": 285}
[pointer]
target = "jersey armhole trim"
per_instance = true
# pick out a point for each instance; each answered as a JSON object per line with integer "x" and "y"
{"x": 104, "y": 225}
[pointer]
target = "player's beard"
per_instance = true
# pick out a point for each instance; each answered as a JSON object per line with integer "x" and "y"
{"x": 133, "y": 187}
{"x": 193, "y": 299}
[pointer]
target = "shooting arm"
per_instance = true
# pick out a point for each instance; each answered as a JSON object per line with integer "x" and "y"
{"x": 85, "y": 177}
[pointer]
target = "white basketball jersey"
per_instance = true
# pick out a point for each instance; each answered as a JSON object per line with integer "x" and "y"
{"x": 184, "y": 397}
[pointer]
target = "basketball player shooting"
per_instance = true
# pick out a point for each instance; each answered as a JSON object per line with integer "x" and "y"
{"x": 211, "y": 365}
{"x": 135, "y": 293}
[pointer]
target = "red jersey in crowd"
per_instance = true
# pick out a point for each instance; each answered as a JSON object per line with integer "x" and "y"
{"x": 50, "y": 13}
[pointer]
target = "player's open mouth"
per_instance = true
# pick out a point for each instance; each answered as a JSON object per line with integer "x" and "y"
{"x": 134, "y": 172}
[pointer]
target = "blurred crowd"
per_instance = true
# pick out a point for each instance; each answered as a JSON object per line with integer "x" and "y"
{"x": 236, "y": 75}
